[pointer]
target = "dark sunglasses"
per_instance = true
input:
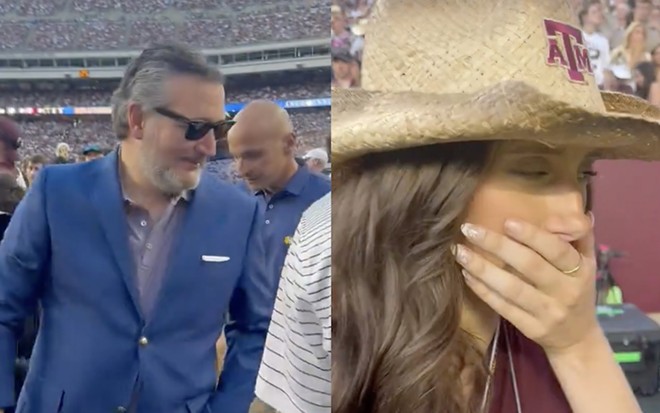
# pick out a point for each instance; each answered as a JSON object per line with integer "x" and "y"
{"x": 196, "y": 129}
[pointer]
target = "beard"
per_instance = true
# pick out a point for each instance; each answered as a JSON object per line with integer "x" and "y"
{"x": 166, "y": 179}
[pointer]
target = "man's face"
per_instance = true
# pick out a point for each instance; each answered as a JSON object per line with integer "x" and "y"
{"x": 8, "y": 154}
{"x": 172, "y": 162}
{"x": 654, "y": 20}
{"x": 341, "y": 69}
{"x": 338, "y": 25}
{"x": 314, "y": 165}
{"x": 642, "y": 12}
{"x": 33, "y": 169}
{"x": 262, "y": 154}
{"x": 595, "y": 15}
{"x": 622, "y": 11}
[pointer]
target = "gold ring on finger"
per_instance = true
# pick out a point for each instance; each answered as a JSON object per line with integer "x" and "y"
{"x": 576, "y": 269}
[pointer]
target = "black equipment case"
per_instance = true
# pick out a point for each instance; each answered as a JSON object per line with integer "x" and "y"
{"x": 635, "y": 340}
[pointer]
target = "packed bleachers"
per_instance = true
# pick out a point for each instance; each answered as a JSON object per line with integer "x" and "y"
{"x": 42, "y": 134}
{"x": 53, "y": 25}
{"x": 94, "y": 97}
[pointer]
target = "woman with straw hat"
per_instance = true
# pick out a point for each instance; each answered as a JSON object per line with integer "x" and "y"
{"x": 463, "y": 250}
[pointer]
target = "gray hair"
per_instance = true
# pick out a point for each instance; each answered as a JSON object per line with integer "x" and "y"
{"x": 145, "y": 75}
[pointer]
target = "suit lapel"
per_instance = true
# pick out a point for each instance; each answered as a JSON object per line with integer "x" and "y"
{"x": 108, "y": 202}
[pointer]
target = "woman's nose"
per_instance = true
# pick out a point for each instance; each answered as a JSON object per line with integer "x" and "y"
{"x": 570, "y": 228}
{"x": 568, "y": 219}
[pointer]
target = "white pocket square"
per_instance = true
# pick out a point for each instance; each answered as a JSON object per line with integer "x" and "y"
{"x": 214, "y": 258}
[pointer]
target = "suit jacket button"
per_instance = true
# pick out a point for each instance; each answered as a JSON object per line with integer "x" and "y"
{"x": 121, "y": 409}
{"x": 143, "y": 341}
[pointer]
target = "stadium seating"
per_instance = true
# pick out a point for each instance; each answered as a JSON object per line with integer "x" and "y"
{"x": 55, "y": 25}
{"x": 41, "y": 135}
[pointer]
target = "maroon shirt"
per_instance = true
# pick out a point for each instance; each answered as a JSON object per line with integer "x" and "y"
{"x": 538, "y": 387}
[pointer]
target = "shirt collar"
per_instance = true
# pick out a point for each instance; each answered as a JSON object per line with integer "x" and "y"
{"x": 295, "y": 185}
{"x": 298, "y": 181}
{"x": 185, "y": 196}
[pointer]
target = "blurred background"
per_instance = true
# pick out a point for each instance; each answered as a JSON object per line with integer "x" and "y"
{"x": 348, "y": 20}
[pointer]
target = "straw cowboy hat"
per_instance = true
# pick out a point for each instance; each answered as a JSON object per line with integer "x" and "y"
{"x": 438, "y": 71}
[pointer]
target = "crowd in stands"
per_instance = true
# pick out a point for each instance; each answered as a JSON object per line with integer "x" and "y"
{"x": 101, "y": 97}
{"x": 347, "y": 24}
{"x": 41, "y": 135}
{"x": 622, "y": 36}
{"x": 53, "y": 25}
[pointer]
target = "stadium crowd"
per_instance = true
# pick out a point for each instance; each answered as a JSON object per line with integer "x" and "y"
{"x": 623, "y": 39}
{"x": 43, "y": 134}
{"x": 348, "y": 23}
{"x": 622, "y": 36}
{"x": 115, "y": 24}
{"x": 101, "y": 96}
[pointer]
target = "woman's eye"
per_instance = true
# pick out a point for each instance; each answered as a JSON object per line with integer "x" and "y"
{"x": 587, "y": 175}
{"x": 531, "y": 174}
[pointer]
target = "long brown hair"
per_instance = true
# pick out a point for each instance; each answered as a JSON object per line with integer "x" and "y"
{"x": 397, "y": 291}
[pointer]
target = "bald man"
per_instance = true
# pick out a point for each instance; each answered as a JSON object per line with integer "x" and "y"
{"x": 263, "y": 143}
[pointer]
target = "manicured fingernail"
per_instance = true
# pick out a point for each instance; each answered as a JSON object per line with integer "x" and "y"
{"x": 467, "y": 276}
{"x": 462, "y": 254}
{"x": 512, "y": 226}
{"x": 473, "y": 232}
{"x": 453, "y": 249}
{"x": 592, "y": 217}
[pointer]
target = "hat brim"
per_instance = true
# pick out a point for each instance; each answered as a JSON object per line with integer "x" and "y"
{"x": 366, "y": 121}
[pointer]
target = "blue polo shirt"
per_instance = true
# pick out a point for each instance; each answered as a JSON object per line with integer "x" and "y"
{"x": 283, "y": 210}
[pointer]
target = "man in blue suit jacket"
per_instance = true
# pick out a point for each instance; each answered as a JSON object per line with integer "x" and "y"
{"x": 136, "y": 259}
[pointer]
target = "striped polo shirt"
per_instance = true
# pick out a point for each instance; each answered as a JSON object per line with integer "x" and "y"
{"x": 295, "y": 370}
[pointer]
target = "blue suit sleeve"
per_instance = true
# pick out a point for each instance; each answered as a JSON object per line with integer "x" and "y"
{"x": 24, "y": 254}
{"x": 250, "y": 310}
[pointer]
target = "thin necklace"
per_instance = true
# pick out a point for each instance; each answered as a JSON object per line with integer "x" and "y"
{"x": 512, "y": 370}
{"x": 491, "y": 371}
{"x": 491, "y": 368}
